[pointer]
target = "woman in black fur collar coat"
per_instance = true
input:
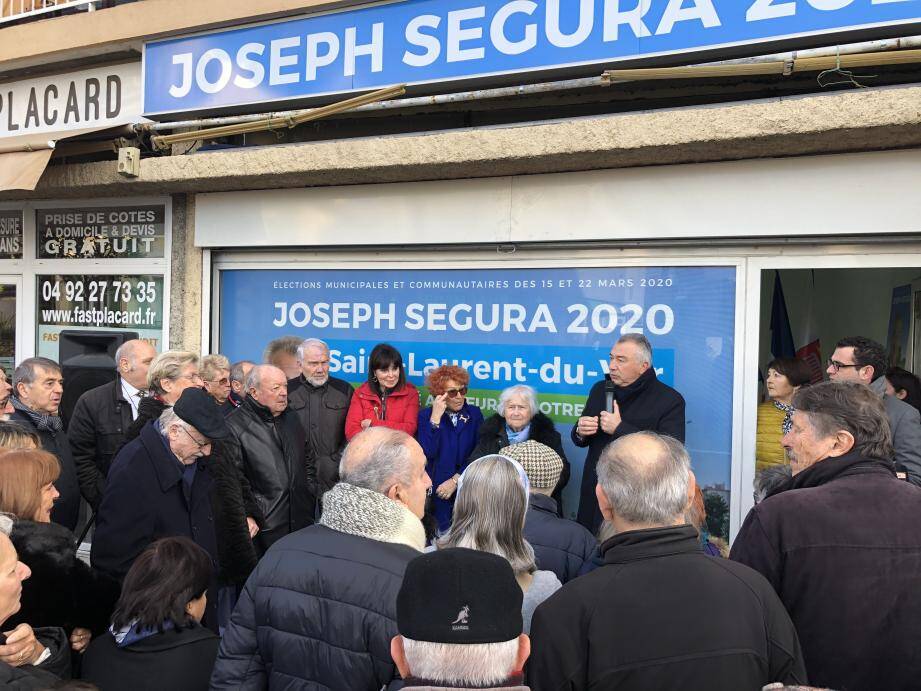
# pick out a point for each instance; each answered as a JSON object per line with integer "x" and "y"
{"x": 517, "y": 420}
{"x": 62, "y": 591}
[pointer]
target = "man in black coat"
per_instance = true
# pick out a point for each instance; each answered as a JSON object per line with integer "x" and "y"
{"x": 321, "y": 403}
{"x": 632, "y": 399}
{"x": 659, "y": 613}
{"x": 159, "y": 487}
{"x": 838, "y": 543}
{"x": 319, "y": 611}
{"x": 267, "y": 444}
{"x": 560, "y": 545}
{"x": 101, "y": 416}
{"x": 38, "y": 386}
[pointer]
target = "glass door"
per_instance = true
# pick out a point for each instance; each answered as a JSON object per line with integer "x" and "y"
{"x": 9, "y": 296}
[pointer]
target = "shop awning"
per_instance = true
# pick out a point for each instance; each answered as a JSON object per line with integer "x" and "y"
{"x": 23, "y": 159}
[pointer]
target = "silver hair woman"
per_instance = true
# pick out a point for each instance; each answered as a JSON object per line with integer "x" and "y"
{"x": 489, "y": 514}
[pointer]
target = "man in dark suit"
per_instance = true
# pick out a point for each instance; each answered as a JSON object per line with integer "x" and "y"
{"x": 101, "y": 416}
{"x": 631, "y": 400}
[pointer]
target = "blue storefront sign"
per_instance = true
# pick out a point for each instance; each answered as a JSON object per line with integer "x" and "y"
{"x": 548, "y": 328}
{"x": 427, "y": 41}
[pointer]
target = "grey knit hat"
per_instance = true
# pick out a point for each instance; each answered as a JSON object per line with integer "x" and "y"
{"x": 542, "y": 464}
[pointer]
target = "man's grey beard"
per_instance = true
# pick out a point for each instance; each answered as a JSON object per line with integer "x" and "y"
{"x": 317, "y": 381}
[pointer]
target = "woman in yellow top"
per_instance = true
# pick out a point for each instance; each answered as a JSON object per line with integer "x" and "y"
{"x": 784, "y": 378}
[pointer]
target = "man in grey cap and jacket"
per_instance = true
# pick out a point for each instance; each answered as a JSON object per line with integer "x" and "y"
{"x": 158, "y": 488}
{"x": 560, "y": 545}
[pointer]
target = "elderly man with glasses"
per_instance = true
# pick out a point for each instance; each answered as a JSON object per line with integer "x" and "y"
{"x": 158, "y": 488}
{"x": 861, "y": 360}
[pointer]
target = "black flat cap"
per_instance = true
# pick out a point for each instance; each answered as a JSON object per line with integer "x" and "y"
{"x": 459, "y": 595}
{"x": 197, "y": 408}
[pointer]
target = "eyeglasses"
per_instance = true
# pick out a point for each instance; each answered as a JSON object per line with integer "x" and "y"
{"x": 200, "y": 445}
{"x": 454, "y": 393}
{"x": 223, "y": 382}
{"x": 835, "y": 365}
{"x": 192, "y": 377}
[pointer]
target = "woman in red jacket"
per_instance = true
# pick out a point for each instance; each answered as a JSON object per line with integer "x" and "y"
{"x": 386, "y": 399}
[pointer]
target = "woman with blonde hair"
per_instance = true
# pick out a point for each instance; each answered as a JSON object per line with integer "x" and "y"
{"x": 489, "y": 515}
{"x": 63, "y": 591}
{"x": 170, "y": 373}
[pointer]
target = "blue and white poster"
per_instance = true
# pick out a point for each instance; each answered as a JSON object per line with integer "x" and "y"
{"x": 430, "y": 41}
{"x": 549, "y": 328}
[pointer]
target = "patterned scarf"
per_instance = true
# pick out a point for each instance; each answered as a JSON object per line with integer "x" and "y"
{"x": 359, "y": 511}
{"x": 44, "y": 423}
{"x": 788, "y": 411}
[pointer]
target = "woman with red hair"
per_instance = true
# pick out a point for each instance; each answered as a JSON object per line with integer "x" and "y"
{"x": 447, "y": 432}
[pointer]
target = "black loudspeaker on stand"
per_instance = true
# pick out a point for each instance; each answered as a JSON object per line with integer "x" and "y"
{"x": 87, "y": 360}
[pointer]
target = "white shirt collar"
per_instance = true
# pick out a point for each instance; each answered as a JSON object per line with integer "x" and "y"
{"x": 132, "y": 395}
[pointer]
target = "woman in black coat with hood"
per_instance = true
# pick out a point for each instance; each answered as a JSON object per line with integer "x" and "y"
{"x": 63, "y": 591}
{"x": 518, "y": 419}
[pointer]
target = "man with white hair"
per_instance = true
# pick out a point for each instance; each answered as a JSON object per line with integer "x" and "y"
{"x": 319, "y": 611}
{"x": 659, "y": 613}
{"x": 321, "y": 403}
{"x": 267, "y": 444}
{"x": 630, "y": 399}
{"x": 460, "y": 623}
{"x": 103, "y": 415}
{"x": 157, "y": 488}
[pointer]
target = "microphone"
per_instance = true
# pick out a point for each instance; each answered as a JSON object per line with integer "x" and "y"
{"x": 609, "y": 387}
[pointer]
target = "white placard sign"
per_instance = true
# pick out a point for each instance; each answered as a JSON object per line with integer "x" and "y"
{"x": 94, "y": 98}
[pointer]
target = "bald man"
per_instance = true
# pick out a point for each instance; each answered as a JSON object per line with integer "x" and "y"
{"x": 268, "y": 445}
{"x": 101, "y": 416}
{"x": 319, "y": 611}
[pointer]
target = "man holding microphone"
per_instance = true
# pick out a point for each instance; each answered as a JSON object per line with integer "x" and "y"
{"x": 631, "y": 399}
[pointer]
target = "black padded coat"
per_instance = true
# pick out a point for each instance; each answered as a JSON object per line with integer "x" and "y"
{"x": 318, "y": 613}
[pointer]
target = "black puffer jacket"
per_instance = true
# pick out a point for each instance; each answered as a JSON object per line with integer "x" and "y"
{"x": 560, "y": 545}
{"x": 318, "y": 613}
{"x": 493, "y": 437}
{"x": 62, "y": 591}
{"x": 96, "y": 431}
{"x": 270, "y": 452}
{"x": 66, "y": 509}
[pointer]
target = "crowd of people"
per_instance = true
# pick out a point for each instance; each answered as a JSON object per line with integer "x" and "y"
{"x": 265, "y": 525}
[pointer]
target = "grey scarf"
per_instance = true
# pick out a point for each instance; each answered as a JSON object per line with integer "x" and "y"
{"x": 359, "y": 511}
{"x": 44, "y": 423}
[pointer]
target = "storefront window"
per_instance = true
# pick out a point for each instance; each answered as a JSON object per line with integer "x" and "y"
{"x": 549, "y": 328}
